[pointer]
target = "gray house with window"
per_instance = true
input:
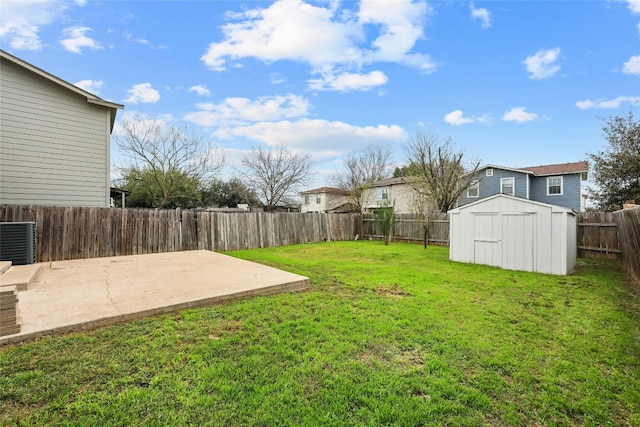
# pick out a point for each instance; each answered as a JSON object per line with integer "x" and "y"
{"x": 559, "y": 184}
{"x": 54, "y": 139}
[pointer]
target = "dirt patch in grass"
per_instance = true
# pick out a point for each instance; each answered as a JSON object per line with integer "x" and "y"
{"x": 392, "y": 291}
{"x": 225, "y": 327}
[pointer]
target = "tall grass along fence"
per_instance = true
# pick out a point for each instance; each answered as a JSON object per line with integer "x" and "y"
{"x": 598, "y": 235}
{"x": 628, "y": 222}
{"x": 85, "y": 232}
{"x": 409, "y": 228}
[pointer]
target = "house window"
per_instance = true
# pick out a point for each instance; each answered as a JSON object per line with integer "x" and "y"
{"x": 474, "y": 190}
{"x": 318, "y": 198}
{"x": 306, "y": 199}
{"x": 382, "y": 193}
{"x": 554, "y": 186}
{"x": 507, "y": 186}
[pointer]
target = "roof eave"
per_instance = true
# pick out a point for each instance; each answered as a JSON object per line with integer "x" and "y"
{"x": 91, "y": 98}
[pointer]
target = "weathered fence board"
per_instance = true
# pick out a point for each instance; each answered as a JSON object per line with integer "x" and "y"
{"x": 79, "y": 232}
{"x": 628, "y": 221}
{"x": 409, "y": 228}
{"x": 598, "y": 236}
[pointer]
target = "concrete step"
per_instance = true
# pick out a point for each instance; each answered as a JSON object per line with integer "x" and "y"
{"x": 4, "y": 266}
{"x": 20, "y": 276}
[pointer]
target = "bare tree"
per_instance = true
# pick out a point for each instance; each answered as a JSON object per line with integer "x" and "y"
{"x": 166, "y": 163}
{"x": 360, "y": 170}
{"x": 426, "y": 212}
{"x": 276, "y": 173}
{"x": 436, "y": 169}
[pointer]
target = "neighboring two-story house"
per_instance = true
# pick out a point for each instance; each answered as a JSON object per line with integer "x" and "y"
{"x": 559, "y": 184}
{"x": 325, "y": 199}
{"x": 54, "y": 139}
{"x": 390, "y": 191}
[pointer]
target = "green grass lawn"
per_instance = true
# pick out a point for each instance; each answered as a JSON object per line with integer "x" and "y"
{"x": 387, "y": 335}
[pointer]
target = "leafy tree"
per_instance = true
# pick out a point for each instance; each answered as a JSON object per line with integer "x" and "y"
{"x": 147, "y": 188}
{"x": 402, "y": 171}
{"x": 384, "y": 217}
{"x": 435, "y": 169}
{"x": 276, "y": 174}
{"x": 228, "y": 194}
{"x": 360, "y": 170}
{"x": 616, "y": 170}
{"x": 165, "y": 162}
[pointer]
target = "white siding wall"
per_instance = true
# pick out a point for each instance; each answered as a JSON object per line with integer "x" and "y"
{"x": 54, "y": 146}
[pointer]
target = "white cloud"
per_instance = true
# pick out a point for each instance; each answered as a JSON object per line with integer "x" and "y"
{"x": 348, "y": 81}
{"x": 401, "y": 25}
{"x": 612, "y": 103}
{"x": 457, "y": 118}
{"x": 324, "y": 37}
{"x": 92, "y": 86}
{"x": 22, "y": 19}
{"x": 287, "y": 29}
{"x": 144, "y": 93}
{"x": 634, "y": 6}
{"x": 75, "y": 39}
{"x": 243, "y": 110}
{"x": 518, "y": 114}
{"x": 543, "y": 63}
{"x": 276, "y": 78}
{"x": 632, "y": 66}
{"x": 322, "y": 136}
{"x": 128, "y": 36}
{"x": 482, "y": 14}
{"x": 201, "y": 90}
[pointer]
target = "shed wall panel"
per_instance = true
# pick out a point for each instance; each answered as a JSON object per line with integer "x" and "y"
{"x": 528, "y": 236}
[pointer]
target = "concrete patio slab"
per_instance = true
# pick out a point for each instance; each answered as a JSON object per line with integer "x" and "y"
{"x": 80, "y": 294}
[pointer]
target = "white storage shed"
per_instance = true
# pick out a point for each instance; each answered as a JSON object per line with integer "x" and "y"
{"x": 515, "y": 234}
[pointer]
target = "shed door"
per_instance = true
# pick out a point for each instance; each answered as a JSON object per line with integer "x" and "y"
{"x": 517, "y": 241}
{"x": 487, "y": 247}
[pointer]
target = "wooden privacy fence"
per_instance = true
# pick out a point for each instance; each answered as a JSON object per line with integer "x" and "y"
{"x": 598, "y": 236}
{"x": 408, "y": 228}
{"x": 84, "y": 232}
{"x": 628, "y": 221}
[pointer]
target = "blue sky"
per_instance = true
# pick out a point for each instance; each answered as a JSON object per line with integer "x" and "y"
{"x": 517, "y": 83}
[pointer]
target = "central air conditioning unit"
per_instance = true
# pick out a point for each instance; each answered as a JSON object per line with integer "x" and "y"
{"x": 18, "y": 242}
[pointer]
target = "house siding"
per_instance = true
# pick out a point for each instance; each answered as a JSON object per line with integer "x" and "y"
{"x": 328, "y": 201}
{"x": 401, "y": 195}
{"x": 490, "y": 185}
{"x": 571, "y": 191}
{"x": 54, "y": 144}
